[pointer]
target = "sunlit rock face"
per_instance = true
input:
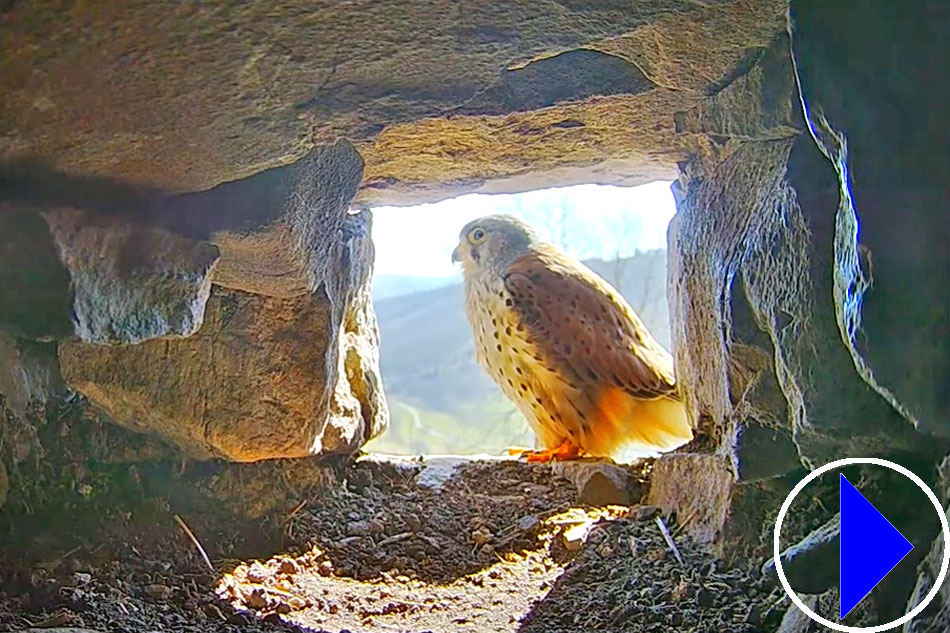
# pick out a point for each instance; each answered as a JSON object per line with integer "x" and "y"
{"x": 264, "y": 377}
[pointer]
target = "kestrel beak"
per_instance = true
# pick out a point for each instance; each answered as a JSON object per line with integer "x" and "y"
{"x": 456, "y": 254}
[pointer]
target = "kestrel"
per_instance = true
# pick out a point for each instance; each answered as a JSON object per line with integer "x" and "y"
{"x": 566, "y": 348}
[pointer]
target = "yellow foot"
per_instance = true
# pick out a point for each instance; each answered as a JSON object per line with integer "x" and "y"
{"x": 565, "y": 451}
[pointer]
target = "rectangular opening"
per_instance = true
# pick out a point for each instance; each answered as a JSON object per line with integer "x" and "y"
{"x": 441, "y": 401}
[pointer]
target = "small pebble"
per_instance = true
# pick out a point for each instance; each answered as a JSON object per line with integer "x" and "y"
{"x": 237, "y": 619}
{"x": 644, "y": 513}
{"x": 575, "y": 536}
{"x": 256, "y": 600}
{"x": 528, "y": 523}
{"x": 413, "y": 522}
{"x": 158, "y": 592}
{"x": 481, "y": 536}
{"x": 256, "y": 573}
{"x": 288, "y": 566}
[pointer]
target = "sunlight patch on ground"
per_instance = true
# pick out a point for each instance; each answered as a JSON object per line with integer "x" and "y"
{"x": 307, "y": 591}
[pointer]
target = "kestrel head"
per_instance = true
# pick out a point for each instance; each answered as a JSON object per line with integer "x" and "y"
{"x": 492, "y": 242}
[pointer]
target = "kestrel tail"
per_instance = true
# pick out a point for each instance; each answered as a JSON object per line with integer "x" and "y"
{"x": 566, "y": 347}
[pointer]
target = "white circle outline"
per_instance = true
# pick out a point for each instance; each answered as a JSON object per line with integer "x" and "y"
{"x": 850, "y": 461}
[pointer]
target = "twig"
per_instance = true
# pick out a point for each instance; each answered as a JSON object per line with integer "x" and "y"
{"x": 669, "y": 539}
{"x": 56, "y": 562}
{"x": 775, "y": 605}
{"x": 194, "y": 540}
{"x": 394, "y": 539}
{"x": 294, "y": 512}
{"x": 686, "y": 521}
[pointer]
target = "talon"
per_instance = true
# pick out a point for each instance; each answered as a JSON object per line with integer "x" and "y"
{"x": 564, "y": 451}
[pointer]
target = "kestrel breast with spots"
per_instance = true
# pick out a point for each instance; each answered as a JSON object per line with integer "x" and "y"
{"x": 566, "y": 348}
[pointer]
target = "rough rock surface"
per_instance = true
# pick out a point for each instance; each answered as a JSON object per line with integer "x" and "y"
{"x": 826, "y": 605}
{"x": 885, "y": 157}
{"x": 697, "y": 488}
{"x": 120, "y": 264}
{"x": 29, "y": 374}
{"x": 138, "y": 267}
{"x": 131, "y": 283}
{"x": 811, "y": 565}
{"x": 935, "y": 617}
{"x": 600, "y": 482}
{"x": 439, "y": 97}
{"x": 796, "y": 621}
{"x": 263, "y": 377}
{"x": 4, "y": 484}
{"x": 276, "y": 229}
{"x": 100, "y": 278}
{"x": 753, "y": 235}
{"x": 770, "y": 279}
{"x": 793, "y": 292}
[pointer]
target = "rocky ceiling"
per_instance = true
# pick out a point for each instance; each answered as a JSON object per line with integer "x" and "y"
{"x": 438, "y": 97}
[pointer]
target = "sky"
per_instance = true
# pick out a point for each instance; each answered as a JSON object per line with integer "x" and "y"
{"x": 586, "y": 220}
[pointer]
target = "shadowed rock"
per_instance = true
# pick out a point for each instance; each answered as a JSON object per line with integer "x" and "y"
{"x": 936, "y": 617}
{"x": 275, "y": 229}
{"x": 762, "y": 452}
{"x": 131, "y": 283}
{"x": 107, "y": 273}
{"x": 811, "y": 565}
{"x": 99, "y": 278}
{"x": 35, "y": 294}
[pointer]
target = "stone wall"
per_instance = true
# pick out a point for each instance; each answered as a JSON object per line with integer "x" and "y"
{"x": 233, "y": 323}
{"x": 809, "y": 263}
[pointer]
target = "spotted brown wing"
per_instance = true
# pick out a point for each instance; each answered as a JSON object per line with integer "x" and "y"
{"x": 585, "y": 327}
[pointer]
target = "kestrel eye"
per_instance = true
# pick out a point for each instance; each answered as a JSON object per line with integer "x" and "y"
{"x": 477, "y": 236}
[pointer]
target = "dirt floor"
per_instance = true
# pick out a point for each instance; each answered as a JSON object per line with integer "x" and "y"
{"x": 501, "y": 546}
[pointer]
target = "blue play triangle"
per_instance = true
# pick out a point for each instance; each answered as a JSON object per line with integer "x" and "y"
{"x": 870, "y": 547}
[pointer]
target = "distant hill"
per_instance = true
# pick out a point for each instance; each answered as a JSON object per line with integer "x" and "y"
{"x": 440, "y": 399}
{"x": 389, "y": 286}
